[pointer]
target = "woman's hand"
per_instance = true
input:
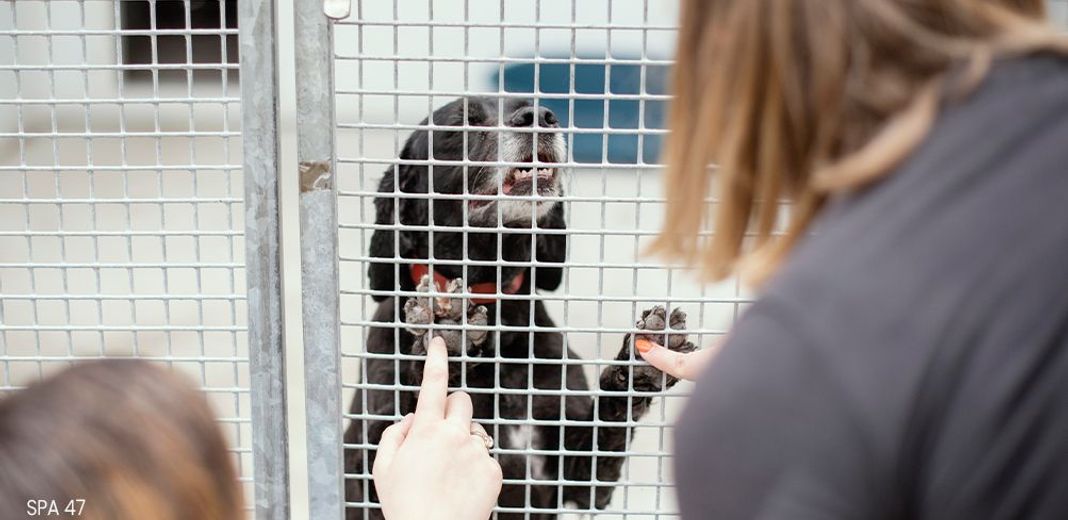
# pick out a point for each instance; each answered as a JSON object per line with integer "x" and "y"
{"x": 683, "y": 365}
{"x": 430, "y": 465}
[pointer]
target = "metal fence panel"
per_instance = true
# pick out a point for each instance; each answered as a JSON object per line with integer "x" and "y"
{"x": 599, "y": 66}
{"x": 121, "y": 196}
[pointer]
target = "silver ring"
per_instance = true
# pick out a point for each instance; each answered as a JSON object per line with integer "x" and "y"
{"x": 487, "y": 441}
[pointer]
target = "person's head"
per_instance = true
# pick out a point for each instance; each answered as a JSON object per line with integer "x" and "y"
{"x": 132, "y": 439}
{"x": 800, "y": 100}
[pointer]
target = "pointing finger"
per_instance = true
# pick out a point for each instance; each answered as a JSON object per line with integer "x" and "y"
{"x": 431, "y": 404}
{"x": 683, "y": 365}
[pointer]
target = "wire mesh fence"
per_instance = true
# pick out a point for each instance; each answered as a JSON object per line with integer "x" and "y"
{"x": 423, "y": 195}
{"x": 590, "y": 76}
{"x": 121, "y": 212}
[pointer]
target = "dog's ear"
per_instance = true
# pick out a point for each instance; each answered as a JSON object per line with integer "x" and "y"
{"x": 551, "y": 248}
{"x": 389, "y": 243}
{"x": 381, "y": 275}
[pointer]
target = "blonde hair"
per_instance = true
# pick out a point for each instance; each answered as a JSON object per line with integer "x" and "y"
{"x": 804, "y": 99}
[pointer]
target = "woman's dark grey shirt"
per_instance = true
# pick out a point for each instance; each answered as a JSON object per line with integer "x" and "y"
{"x": 911, "y": 358}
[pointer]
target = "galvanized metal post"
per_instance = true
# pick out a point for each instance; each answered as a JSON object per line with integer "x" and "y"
{"x": 319, "y": 260}
{"x": 259, "y": 128}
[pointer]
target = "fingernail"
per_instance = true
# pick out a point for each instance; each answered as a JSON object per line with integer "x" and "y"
{"x": 644, "y": 345}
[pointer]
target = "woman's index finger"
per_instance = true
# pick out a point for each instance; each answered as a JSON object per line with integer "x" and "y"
{"x": 434, "y": 389}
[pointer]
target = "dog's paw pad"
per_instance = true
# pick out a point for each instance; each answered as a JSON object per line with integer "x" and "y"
{"x": 424, "y": 284}
{"x": 445, "y": 310}
{"x": 677, "y": 323}
{"x": 417, "y": 313}
{"x": 652, "y": 319}
{"x": 450, "y": 307}
{"x": 662, "y": 329}
{"x": 478, "y": 316}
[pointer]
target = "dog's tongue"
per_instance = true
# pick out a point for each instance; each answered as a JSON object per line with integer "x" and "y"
{"x": 544, "y": 177}
{"x": 520, "y": 177}
{"x": 516, "y": 177}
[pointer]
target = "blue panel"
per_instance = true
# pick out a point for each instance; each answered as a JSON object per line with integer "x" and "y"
{"x": 554, "y": 78}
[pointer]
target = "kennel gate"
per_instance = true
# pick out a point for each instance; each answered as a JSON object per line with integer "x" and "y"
{"x": 600, "y": 65}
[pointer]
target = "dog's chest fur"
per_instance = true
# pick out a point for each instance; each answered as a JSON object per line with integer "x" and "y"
{"x": 526, "y": 437}
{"x": 517, "y": 407}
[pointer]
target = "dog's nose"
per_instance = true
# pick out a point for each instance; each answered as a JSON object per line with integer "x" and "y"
{"x": 525, "y": 117}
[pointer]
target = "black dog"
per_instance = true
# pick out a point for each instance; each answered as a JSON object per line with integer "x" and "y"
{"x": 521, "y": 205}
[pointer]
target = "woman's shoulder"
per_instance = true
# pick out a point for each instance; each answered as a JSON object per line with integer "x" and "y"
{"x": 1030, "y": 70}
{"x": 977, "y": 210}
{"x": 960, "y": 250}
{"x": 1018, "y": 95}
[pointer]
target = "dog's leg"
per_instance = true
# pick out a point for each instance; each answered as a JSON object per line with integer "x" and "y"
{"x": 444, "y": 310}
{"x": 643, "y": 379}
{"x": 374, "y": 408}
{"x": 360, "y": 488}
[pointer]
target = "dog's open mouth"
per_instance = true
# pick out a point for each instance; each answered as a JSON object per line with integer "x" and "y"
{"x": 527, "y": 181}
{"x": 531, "y": 180}
{"x": 519, "y": 181}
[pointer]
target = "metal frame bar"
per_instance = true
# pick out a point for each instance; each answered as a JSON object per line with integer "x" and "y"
{"x": 263, "y": 257}
{"x": 319, "y": 259}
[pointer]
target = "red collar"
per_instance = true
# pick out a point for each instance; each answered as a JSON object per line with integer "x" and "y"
{"x": 418, "y": 270}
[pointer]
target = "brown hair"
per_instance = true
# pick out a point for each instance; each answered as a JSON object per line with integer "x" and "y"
{"x": 132, "y": 439}
{"x": 802, "y": 99}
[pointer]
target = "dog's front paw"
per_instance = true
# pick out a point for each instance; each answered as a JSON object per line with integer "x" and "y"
{"x": 660, "y": 328}
{"x": 653, "y": 321}
{"x": 419, "y": 311}
{"x": 477, "y": 315}
{"x": 424, "y": 310}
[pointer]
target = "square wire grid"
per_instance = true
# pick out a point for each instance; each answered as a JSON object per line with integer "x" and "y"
{"x": 121, "y": 211}
{"x": 396, "y": 62}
